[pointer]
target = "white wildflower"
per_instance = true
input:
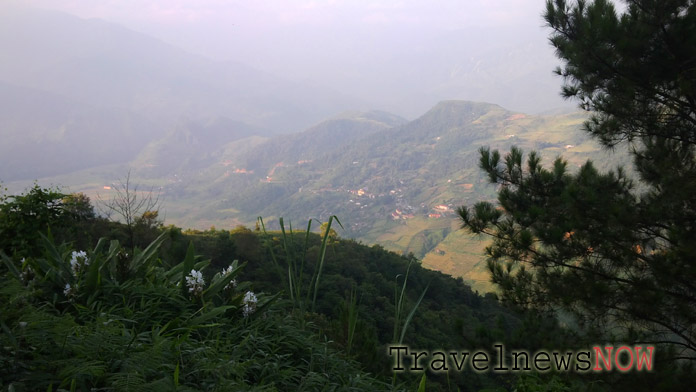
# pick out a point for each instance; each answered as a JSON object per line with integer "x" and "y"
{"x": 78, "y": 260}
{"x": 68, "y": 290}
{"x": 27, "y": 273}
{"x": 233, "y": 282}
{"x": 195, "y": 282}
{"x": 250, "y": 301}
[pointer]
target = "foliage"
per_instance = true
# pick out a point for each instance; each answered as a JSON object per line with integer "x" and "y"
{"x": 22, "y": 217}
{"x": 617, "y": 253}
{"x": 296, "y": 263}
{"x": 103, "y": 319}
{"x": 195, "y": 333}
{"x": 450, "y": 315}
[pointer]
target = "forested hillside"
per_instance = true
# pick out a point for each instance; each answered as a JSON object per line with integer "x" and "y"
{"x": 84, "y": 281}
{"x": 257, "y": 309}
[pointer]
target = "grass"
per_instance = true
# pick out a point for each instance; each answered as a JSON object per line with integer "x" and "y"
{"x": 296, "y": 262}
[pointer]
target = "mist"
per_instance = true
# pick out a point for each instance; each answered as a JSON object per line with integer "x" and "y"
{"x": 398, "y": 56}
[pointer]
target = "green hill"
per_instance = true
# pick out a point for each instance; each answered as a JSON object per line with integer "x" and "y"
{"x": 92, "y": 310}
{"x": 392, "y": 182}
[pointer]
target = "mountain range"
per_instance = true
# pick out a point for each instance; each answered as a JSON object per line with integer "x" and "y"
{"x": 85, "y": 102}
{"x": 390, "y": 181}
{"x": 67, "y": 77}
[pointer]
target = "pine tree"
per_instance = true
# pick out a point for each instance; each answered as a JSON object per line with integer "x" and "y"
{"x": 618, "y": 252}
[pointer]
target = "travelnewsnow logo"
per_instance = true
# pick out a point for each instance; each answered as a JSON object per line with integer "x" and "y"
{"x": 598, "y": 359}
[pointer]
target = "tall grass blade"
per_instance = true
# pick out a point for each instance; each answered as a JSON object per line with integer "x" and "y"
{"x": 399, "y": 302}
{"x": 304, "y": 255}
{"x": 421, "y": 386}
{"x": 352, "y": 318}
{"x": 322, "y": 254}
{"x": 268, "y": 239}
{"x": 176, "y": 375}
{"x": 410, "y": 315}
{"x": 289, "y": 259}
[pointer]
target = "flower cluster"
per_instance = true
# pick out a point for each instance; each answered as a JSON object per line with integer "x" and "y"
{"x": 233, "y": 282}
{"x": 250, "y": 301}
{"x": 78, "y": 261}
{"x": 68, "y": 291}
{"x": 195, "y": 282}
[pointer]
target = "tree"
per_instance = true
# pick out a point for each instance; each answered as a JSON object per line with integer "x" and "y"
{"x": 614, "y": 251}
{"x": 78, "y": 207}
{"x": 332, "y": 236}
{"x": 23, "y": 217}
{"x": 134, "y": 206}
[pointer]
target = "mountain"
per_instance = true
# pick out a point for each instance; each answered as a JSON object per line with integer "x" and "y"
{"x": 398, "y": 186}
{"x": 390, "y": 181}
{"x": 102, "y": 63}
{"x": 190, "y": 145}
{"x": 45, "y": 134}
{"x": 67, "y": 83}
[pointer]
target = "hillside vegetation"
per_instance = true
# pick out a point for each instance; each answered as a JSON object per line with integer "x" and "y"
{"x": 160, "y": 326}
{"x": 394, "y": 182}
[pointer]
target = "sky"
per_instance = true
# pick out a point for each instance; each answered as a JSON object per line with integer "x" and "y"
{"x": 401, "y": 55}
{"x": 447, "y": 14}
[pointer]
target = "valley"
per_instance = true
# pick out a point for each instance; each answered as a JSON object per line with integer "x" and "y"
{"x": 391, "y": 182}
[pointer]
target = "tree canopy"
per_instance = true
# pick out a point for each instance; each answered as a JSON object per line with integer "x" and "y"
{"x": 616, "y": 251}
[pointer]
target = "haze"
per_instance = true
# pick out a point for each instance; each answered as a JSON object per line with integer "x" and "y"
{"x": 398, "y": 56}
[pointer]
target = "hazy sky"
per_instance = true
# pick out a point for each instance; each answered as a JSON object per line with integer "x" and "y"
{"x": 448, "y": 14}
{"x": 404, "y": 55}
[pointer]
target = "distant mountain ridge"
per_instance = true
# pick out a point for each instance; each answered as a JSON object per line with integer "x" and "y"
{"x": 45, "y": 134}
{"x": 105, "y": 64}
{"x": 397, "y": 184}
{"x": 107, "y": 91}
{"x": 390, "y": 181}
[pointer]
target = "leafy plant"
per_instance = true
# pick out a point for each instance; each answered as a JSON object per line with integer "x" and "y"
{"x": 300, "y": 293}
{"x": 107, "y": 320}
